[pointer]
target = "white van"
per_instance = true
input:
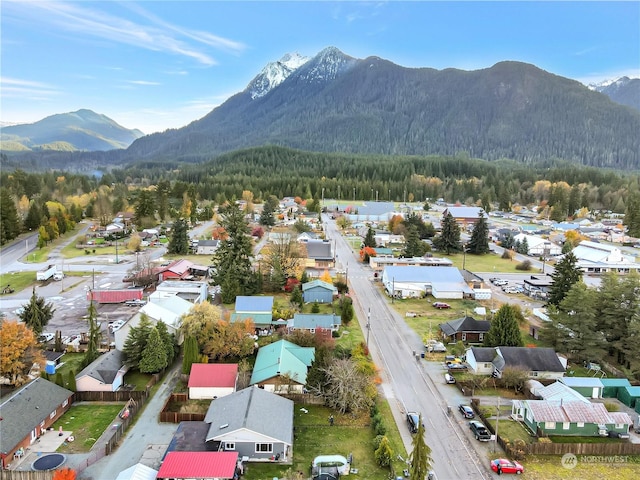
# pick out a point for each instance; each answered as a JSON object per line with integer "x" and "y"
{"x": 449, "y": 378}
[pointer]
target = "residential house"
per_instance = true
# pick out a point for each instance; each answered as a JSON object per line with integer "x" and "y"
{"x": 465, "y": 329}
{"x": 538, "y": 246}
{"x": 253, "y": 422}
{"x": 464, "y": 216}
{"x": 384, "y": 239}
{"x": 258, "y": 309}
{"x": 304, "y": 237}
{"x": 318, "y": 291}
{"x": 207, "y": 247}
{"x": 546, "y": 417}
{"x": 125, "y": 218}
{"x": 104, "y": 374}
{"x": 27, "y": 413}
{"x": 589, "y": 387}
{"x": 383, "y": 252}
{"x": 412, "y": 282}
{"x": 212, "y": 380}
{"x": 596, "y": 258}
{"x": 199, "y": 465}
{"x": 182, "y": 270}
{"x": 319, "y": 254}
{"x": 537, "y": 362}
{"x": 320, "y": 324}
{"x": 282, "y": 367}
{"x": 192, "y": 291}
{"x": 138, "y": 471}
{"x": 536, "y": 284}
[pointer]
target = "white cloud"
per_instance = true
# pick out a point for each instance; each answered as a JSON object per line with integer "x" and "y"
{"x": 155, "y": 34}
{"x": 143, "y": 82}
{"x": 15, "y": 87}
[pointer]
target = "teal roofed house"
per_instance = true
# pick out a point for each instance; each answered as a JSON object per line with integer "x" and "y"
{"x": 318, "y": 291}
{"x": 258, "y": 309}
{"x": 282, "y": 366}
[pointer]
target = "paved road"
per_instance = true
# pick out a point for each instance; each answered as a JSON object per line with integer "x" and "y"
{"x": 406, "y": 383}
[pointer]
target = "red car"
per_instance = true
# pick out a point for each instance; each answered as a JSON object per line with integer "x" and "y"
{"x": 441, "y": 305}
{"x": 506, "y": 466}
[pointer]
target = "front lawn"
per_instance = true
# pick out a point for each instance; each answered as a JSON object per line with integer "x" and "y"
{"x": 512, "y": 431}
{"x": 544, "y": 467}
{"x": 572, "y": 439}
{"x": 491, "y": 262}
{"x": 349, "y": 435}
{"x": 87, "y": 422}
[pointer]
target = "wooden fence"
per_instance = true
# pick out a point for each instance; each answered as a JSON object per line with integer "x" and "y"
{"x": 177, "y": 417}
{"x": 119, "y": 396}
{"x": 304, "y": 398}
{"x": 26, "y": 475}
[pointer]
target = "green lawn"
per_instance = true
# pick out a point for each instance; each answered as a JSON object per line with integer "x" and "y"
{"x": 18, "y": 280}
{"x": 349, "y": 435}
{"x": 490, "y": 262}
{"x": 40, "y": 255}
{"x": 71, "y": 361}
{"x": 140, "y": 380}
{"x": 512, "y": 430}
{"x": 87, "y": 422}
{"x": 572, "y": 439}
{"x": 545, "y": 467}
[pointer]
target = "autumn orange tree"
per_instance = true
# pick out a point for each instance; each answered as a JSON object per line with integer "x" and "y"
{"x": 366, "y": 253}
{"x": 64, "y": 474}
{"x": 19, "y": 351}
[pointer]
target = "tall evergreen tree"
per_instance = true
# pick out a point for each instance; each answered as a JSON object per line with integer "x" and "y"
{"x": 136, "y": 342}
{"x": 565, "y": 275}
{"x": 36, "y": 314}
{"x": 9, "y": 221}
{"x": 449, "y": 238}
{"x": 71, "y": 381}
{"x": 154, "y": 356}
{"x": 168, "y": 340}
{"x": 413, "y": 246}
{"x": 420, "y": 458}
{"x": 94, "y": 336}
{"x": 479, "y": 243}
{"x": 370, "y": 239}
{"x": 179, "y": 242}
{"x": 34, "y": 217}
{"x": 269, "y": 208}
{"x": 232, "y": 260}
{"x": 632, "y": 215}
{"x": 504, "y": 330}
{"x": 190, "y": 354}
{"x": 145, "y": 206}
{"x": 163, "y": 190}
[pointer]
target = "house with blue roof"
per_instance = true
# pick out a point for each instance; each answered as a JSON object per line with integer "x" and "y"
{"x": 258, "y": 309}
{"x": 320, "y": 324}
{"x": 282, "y": 367}
{"x": 318, "y": 291}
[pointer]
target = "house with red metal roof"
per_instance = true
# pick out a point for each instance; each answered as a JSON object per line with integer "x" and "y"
{"x": 212, "y": 380}
{"x": 201, "y": 465}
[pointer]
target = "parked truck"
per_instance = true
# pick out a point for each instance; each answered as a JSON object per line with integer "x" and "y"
{"x": 115, "y": 296}
{"x": 46, "y": 273}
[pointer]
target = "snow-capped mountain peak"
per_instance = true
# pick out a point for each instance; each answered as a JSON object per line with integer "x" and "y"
{"x": 274, "y": 73}
{"x": 617, "y": 82}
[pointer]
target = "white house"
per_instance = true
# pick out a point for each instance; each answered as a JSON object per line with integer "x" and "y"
{"x": 415, "y": 282}
{"x": 194, "y": 292}
{"x": 537, "y": 362}
{"x": 539, "y": 246}
{"x": 212, "y": 380}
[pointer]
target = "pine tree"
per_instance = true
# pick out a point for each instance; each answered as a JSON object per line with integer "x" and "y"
{"x": 136, "y": 342}
{"x": 9, "y": 221}
{"x": 504, "y": 330}
{"x": 369, "y": 239}
{"x": 384, "y": 452}
{"x": 267, "y": 217}
{"x": 71, "y": 381}
{"x": 296, "y": 296}
{"x": 565, "y": 275}
{"x": 632, "y": 215}
{"x": 420, "y": 458}
{"x": 479, "y": 243}
{"x": 232, "y": 260}
{"x": 179, "y": 242}
{"x": 449, "y": 238}
{"x": 154, "y": 356}
{"x": 168, "y": 340}
{"x": 94, "y": 337}
{"x": 413, "y": 246}
{"x": 34, "y": 217}
{"x": 190, "y": 354}
{"x": 59, "y": 379}
{"x": 36, "y": 314}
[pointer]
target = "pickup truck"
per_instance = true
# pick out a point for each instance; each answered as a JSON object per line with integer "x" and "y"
{"x": 479, "y": 431}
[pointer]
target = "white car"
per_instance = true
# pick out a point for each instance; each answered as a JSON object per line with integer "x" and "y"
{"x": 46, "y": 337}
{"x": 117, "y": 325}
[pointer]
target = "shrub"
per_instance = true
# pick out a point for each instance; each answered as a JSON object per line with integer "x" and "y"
{"x": 525, "y": 265}
{"x": 507, "y": 255}
{"x": 612, "y": 407}
{"x": 376, "y": 441}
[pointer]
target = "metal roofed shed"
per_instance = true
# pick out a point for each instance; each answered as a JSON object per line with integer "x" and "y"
{"x": 589, "y": 387}
{"x": 629, "y": 396}
{"x": 612, "y": 385}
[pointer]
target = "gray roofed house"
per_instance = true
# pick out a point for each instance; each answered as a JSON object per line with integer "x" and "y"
{"x": 27, "y": 413}
{"x": 253, "y": 422}
{"x": 441, "y": 282}
{"x": 106, "y": 373}
{"x": 207, "y": 247}
{"x": 465, "y": 329}
{"x": 319, "y": 254}
{"x": 537, "y": 362}
{"x": 315, "y": 323}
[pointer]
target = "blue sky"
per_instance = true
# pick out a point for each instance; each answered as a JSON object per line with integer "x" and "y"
{"x": 155, "y": 65}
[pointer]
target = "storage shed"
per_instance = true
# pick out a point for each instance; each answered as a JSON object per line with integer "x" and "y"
{"x": 629, "y": 395}
{"x": 588, "y": 387}
{"x": 612, "y": 385}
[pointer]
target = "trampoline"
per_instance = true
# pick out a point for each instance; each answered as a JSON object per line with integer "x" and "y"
{"x": 48, "y": 462}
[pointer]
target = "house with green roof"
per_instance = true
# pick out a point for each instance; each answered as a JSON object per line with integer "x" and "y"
{"x": 282, "y": 367}
{"x": 318, "y": 291}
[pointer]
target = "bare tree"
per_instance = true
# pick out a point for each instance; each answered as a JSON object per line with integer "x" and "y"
{"x": 348, "y": 388}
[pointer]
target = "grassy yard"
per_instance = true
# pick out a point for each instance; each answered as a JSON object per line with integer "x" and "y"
{"x": 18, "y": 280}
{"x": 40, "y": 255}
{"x": 348, "y": 435}
{"x": 71, "y": 361}
{"x": 512, "y": 430}
{"x": 87, "y": 422}
{"x": 140, "y": 380}
{"x": 545, "y": 467}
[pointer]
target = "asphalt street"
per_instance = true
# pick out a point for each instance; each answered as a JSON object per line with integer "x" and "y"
{"x": 407, "y": 384}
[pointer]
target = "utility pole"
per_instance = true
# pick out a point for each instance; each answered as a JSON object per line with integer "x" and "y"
{"x": 393, "y": 289}
{"x": 368, "y": 326}
{"x": 495, "y": 445}
{"x": 116, "y": 237}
